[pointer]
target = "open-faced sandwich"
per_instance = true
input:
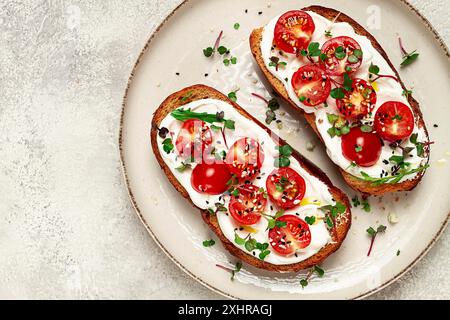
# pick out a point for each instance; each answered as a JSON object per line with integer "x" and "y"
{"x": 268, "y": 205}
{"x": 328, "y": 67}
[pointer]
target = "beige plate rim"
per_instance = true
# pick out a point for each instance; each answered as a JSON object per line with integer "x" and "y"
{"x": 138, "y": 212}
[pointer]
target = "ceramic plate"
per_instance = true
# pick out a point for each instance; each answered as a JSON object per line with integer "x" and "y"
{"x": 173, "y": 59}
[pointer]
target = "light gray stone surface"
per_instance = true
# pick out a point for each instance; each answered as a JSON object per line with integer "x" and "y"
{"x": 67, "y": 228}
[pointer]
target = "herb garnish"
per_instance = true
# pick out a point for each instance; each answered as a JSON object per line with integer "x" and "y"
{"x": 167, "y": 145}
{"x": 251, "y": 244}
{"x": 408, "y": 57}
{"x": 366, "y": 128}
{"x": 208, "y": 243}
{"x": 339, "y": 92}
{"x": 366, "y": 205}
{"x": 313, "y": 51}
{"x": 339, "y": 125}
{"x": 283, "y": 160}
{"x": 186, "y": 114}
{"x": 222, "y": 50}
{"x": 314, "y": 270}
{"x": 183, "y": 167}
{"x": 272, "y": 221}
{"x": 332, "y": 212}
{"x": 399, "y": 161}
{"x": 233, "y": 95}
{"x": 419, "y": 145}
{"x": 310, "y": 220}
{"x": 208, "y": 52}
{"x": 373, "y": 234}
{"x": 275, "y": 62}
{"x": 391, "y": 179}
{"x": 374, "y": 70}
{"x": 355, "y": 202}
{"x": 407, "y": 93}
{"x": 272, "y": 106}
{"x": 219, "y": 207}
{"x": 233, "y": 180}
{"x": 232, "y": 60}
{"x": 236, "y": 26}
{"x": 328, "y": 33}
{"x": 340, "y": 53}
{"x": 237, "y": 268}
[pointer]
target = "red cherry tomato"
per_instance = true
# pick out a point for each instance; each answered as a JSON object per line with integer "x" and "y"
{"x": 290, "y": 238}
{"x": 210, "y": 178}
{"x": 359, "y": 101}
{"x": 364, "y": 148}
{"x": 247, "y": 206}
{"x": 193, "y": 138}
{"x": 245, "y": 158}
{"x": 285, "y": 188}
{"x": 311, "y": 85}
{"x": 293, "y": 31}
{"x": 338, "y": 51}
{"x": 394, "y": 121}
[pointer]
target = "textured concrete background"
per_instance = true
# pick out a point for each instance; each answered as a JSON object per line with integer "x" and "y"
{"x": 67, "y": 228}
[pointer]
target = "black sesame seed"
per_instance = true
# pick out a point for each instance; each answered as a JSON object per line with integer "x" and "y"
{"x": 260, "y": 13}
{"x": 177, "y": 73}
{"x": 206, "y": 74}
{"x": 246, "y": 10}
{"x": 435, "y": 125}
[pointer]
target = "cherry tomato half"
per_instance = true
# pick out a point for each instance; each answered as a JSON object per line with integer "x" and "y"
{"x": 247, "y": 206}
{"x": 245, "y": 158}
{"x": 193, "y": 138}
{"x": 341, "y": 55}
{"x": 394, "y": 121}
{"x": 210, "y": 178}
{"x": 364, "y": 148}
{"x": 293, "y": 31}
{"x": 359, "y": 101}
{"x": 311, "y": 85}
{"x": 285, "y": 188}
{"x": 290, "y": 238}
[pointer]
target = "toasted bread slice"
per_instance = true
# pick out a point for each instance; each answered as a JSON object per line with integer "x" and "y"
{"x": 342, "y": 223}
{"x": 354, "y": 182}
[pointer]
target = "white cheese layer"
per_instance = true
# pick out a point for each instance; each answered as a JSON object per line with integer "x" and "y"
{"x": 315, "y": 189}
{"x": 388, "y": 90}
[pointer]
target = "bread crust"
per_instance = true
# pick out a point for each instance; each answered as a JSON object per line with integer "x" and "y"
{"x": 342, "y": 225}
{"x": 354, "y": 182}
